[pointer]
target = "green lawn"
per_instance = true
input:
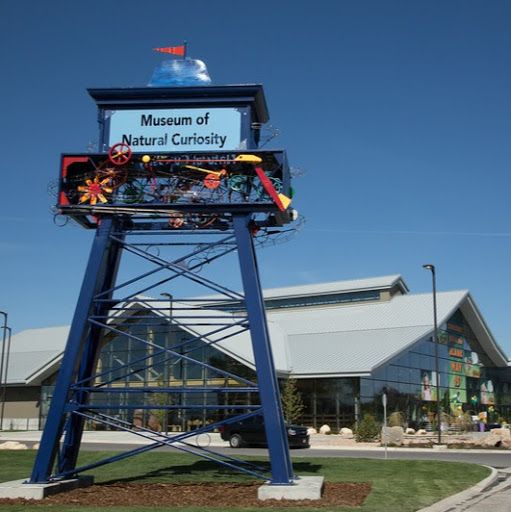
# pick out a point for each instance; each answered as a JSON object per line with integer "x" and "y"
{"x": 398, "y": 485}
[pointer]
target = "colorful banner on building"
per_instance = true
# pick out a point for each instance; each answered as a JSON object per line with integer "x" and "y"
{"x": 457, "y": 378}
{"x": 472, "y": 367}
{"x": 458, "y": 388}
{"x": 487, "y": 392}
{"x": 428, "y": 386}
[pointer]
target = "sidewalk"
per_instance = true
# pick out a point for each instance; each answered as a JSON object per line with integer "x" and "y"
{"x": 492, "y": 494}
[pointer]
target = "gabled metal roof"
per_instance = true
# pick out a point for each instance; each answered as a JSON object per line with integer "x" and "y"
{"x": 356, "y": 339}
{"x": 35, "y": 354}
{"x": 344, "y": 340}
{"x": 352, "y": 339}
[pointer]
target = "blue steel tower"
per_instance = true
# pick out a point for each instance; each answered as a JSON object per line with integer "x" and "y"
{"x": 179, "y": 171}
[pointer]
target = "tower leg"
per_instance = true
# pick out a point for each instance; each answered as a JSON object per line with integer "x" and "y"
{"x": 78, "y": 360}
{"x": 280, "y": 460}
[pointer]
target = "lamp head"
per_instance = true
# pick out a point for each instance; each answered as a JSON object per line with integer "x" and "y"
{"x": 429, "y": 267}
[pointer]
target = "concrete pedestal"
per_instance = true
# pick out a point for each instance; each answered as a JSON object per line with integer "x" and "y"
{"x": 21, "y": 489}
{"x": 303, "y": 488}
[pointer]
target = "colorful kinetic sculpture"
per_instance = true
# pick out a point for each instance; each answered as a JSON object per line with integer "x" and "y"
{"x": 258, "y": 181}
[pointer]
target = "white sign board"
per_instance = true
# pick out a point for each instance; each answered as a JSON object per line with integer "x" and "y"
{"x": 197, "y": 129}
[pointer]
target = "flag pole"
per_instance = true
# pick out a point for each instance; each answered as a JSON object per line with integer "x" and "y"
{"x": 184, "y": 53}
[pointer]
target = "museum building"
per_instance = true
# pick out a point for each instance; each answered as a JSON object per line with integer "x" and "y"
{"x": 344, "y": 343}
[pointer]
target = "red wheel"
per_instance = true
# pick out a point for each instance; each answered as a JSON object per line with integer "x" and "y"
{"x": 116, "y": 174}
{"x": 212, "y": 181}
{"x": 119, "y": 153}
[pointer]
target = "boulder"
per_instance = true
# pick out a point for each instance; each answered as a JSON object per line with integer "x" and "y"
{"x": 325, "y": 429}
{"x": 419, "y": 443}
{"x": 138, "y": 418}
{"x": 410, "y": 432}
{"x": 394, "y": 435}
{"x": 421, "y": 432}
{"x": 345, "y": 431}
{"x": 495, "y": 439}
{"x": 311, "y": 431}
{"x": 13, "y": 445}
{"x": 503, "y": 432}
{"x": 153, "y": 423}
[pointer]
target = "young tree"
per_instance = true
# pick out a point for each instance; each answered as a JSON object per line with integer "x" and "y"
{"x": 161, "y": 415}
{"x": 292, "y": 403}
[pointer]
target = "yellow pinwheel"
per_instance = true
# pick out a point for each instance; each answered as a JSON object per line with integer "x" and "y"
{"x": 94, "y": 190}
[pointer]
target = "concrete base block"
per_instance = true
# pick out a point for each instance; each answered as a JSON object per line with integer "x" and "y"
{"x": 303, "y": 488}
{"x": 21, "y": 489}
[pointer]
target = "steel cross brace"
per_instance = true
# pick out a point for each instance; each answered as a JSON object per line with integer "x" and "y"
{"x": 96, "y": 312}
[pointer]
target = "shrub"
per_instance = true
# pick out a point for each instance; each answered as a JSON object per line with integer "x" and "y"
{"x": 292, "y": 403}
{"x": 465, "y": 421}
{"x": 367, "y": 429}
{"x": 396, "y": 419}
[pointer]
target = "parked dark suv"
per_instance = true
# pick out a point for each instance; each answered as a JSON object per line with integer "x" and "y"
{"x": 251, "y": 431}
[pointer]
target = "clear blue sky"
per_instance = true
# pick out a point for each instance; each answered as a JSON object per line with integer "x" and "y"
{"x": 399, "y": 111}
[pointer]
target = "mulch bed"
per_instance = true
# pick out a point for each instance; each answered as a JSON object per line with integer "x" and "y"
{"x": 223, "y": 495}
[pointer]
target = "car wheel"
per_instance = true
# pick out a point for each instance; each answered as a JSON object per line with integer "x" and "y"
{"x": 236, "y": 441}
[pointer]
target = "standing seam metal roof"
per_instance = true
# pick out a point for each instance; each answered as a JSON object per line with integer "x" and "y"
{"x": 347, "y": 339}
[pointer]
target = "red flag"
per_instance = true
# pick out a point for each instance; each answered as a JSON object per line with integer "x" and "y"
{"x": 174, "y": 50}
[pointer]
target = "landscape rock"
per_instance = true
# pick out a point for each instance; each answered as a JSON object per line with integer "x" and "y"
{"x": 13, "y": 445}
{"x": 419, "y": 443}
{"x": 494, "y": 439}
{"x": 345, "y": 431}
{"x": 394, "y": 435}
{"x": 325, "y": 429}
{"x": 503, "y": 432}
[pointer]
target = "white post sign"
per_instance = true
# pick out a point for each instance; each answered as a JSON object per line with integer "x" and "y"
{"x": 197, "y": 129}
{"x": 384, "y": 402}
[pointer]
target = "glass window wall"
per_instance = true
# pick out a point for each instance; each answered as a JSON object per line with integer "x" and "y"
{"x": 468, "y": 385}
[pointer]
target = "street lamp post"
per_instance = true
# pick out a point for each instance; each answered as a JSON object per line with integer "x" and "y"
{"x": 3, "y": 356}
{"x": 4, "y": 388}
{"x": 166, "y": 365}
{"x": 435, "y": 341}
